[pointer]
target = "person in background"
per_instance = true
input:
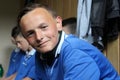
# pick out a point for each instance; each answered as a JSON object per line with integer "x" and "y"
{"x": 14, "y": 61}
{"x": 22, "y": 61}
{"x": 60, "y": 56}
{"x": 69, "y": 25}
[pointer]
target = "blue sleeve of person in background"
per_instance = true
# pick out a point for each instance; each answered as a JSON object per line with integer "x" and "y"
{"x": 31, "y": 73}
{"x": 27, "y": 68}
{"x": 15, "y": 61}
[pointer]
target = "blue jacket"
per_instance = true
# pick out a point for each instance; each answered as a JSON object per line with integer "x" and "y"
{"x": 77, "y": 60}
{"x": 27, "y": 67}
{"x": 15, "y": 61}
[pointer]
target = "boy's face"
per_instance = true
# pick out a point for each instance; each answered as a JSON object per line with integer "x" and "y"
{"x": 41, "y": 29}
{"x": 22, "y": 43}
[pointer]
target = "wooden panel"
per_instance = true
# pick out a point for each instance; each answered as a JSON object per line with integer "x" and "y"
{"x": 74, "y": 6}
{"x": 59, "y": 7}
{"x": 46, "y": 2}
{"x": 66, "y": 8}
{"x": 69, "y": 8}
{"x": 51, "y": 2}
{"x": 113, "y": 53}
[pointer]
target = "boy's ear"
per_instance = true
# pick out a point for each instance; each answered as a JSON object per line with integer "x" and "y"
{"x": 59, "y": 23}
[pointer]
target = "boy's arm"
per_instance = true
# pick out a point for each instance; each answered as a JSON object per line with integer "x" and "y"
{"x": 27, "y": 78}
{"x": 31, "y": 75}
{"x": 10, "y": 77}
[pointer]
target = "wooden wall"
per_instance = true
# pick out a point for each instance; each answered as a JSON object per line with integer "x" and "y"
{"x": 64, "y": 8}
{"x": 68, "y": 8}
{"x": 113, "y": 53}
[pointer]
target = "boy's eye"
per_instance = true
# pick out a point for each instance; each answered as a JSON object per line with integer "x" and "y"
{"x": 43, "y": 27}
{"x": 29, "y": 34}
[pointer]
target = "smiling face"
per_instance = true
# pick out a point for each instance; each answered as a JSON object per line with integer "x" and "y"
{"x": 41, "y": 29}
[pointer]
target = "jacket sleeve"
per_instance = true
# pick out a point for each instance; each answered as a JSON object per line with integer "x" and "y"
{"x": 80, "y": 66}
{"x": 31, "y": 73}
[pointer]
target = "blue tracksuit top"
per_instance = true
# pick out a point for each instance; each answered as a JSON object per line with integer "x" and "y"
{"x": 15, "y": 61}
{"x": 76, "y": 60}
{"x": 27, "y": 67}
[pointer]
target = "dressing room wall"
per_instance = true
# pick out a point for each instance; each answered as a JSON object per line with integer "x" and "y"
{"x": 8, "y": 14}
